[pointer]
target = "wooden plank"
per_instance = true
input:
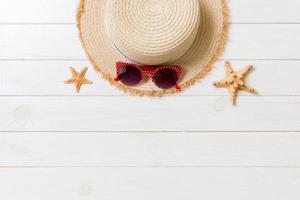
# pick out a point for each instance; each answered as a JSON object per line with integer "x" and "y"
{"x": 39, "y": 11}
{"x": 150, "y": 149}
{"x": 55, "y": 11}
{"x": 247, "y": 41}
{"x": 150, "y": 183}
{"x": 40, "y": 42}
{"x": 149, "y": 114}
{"x": 46, "y": 78}
{"x": 266, "y": 11}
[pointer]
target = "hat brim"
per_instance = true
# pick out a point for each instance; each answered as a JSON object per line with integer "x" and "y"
{"x": 197, "y": 62}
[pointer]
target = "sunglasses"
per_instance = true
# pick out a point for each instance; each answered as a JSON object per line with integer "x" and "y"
{"x": 164, "y": 77}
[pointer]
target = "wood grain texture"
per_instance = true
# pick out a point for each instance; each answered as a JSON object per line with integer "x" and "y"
{"x": 150, "y": 183}
{"x": 80, "y": 149}
{"x": 149, "y": 114}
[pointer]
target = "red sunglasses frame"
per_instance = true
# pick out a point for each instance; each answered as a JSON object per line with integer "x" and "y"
{"x": 149, "y": 71}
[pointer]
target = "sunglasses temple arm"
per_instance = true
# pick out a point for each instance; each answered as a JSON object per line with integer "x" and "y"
{"x": 177, "y": 87}
{"x": 117, "y": 78}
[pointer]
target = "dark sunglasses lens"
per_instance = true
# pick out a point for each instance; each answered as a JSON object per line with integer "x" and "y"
{"x": 165, "y": 78}
{"x": 130, "y": 75}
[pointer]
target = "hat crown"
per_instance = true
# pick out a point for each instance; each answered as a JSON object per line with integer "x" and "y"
{"x": 153, "y": 32}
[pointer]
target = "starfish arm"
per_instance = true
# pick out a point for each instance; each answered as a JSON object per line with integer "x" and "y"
{"x": 221, "y": 83}
{"x": 83, "y": 72}
{"x": 69, "y": 81}
{"x": 232, "y": 94}
{"x": 86, "y": 81}
{"x": 228, "y": 68}
{"x": 73, "y": 71}
{"x": 78, "y": 86}
{"x": 247, "y": 88}
{"x": 245, "y": 71}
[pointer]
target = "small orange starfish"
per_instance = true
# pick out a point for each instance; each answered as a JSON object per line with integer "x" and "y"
{"x": 234, "y": 81}
{"x": 78, "y": 78}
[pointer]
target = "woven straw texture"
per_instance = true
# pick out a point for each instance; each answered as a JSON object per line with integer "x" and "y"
{"x": 99, "y": 24}
{"x": 160, "y": 31}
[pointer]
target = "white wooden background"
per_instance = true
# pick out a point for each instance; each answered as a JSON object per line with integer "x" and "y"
{"x": 105, "y": 145}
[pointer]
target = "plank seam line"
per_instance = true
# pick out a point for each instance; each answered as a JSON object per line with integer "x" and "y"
{"x": 83, "y": 59}
{"x": 158, "y": 132}
{"x": 124, "y": 96}
{"x": 72, "y": 23}
{"x": 127, "y": 166}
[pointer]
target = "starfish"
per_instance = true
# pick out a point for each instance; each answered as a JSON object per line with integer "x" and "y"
{"x": 78, "y": 78}
{"x": 234, "y": 81}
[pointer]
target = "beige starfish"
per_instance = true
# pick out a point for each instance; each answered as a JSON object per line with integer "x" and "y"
{"x": 234, "y": 81}
{"x": 78, "y": 78}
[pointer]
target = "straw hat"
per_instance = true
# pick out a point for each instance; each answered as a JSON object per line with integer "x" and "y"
{"x": 186, "y": 33}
